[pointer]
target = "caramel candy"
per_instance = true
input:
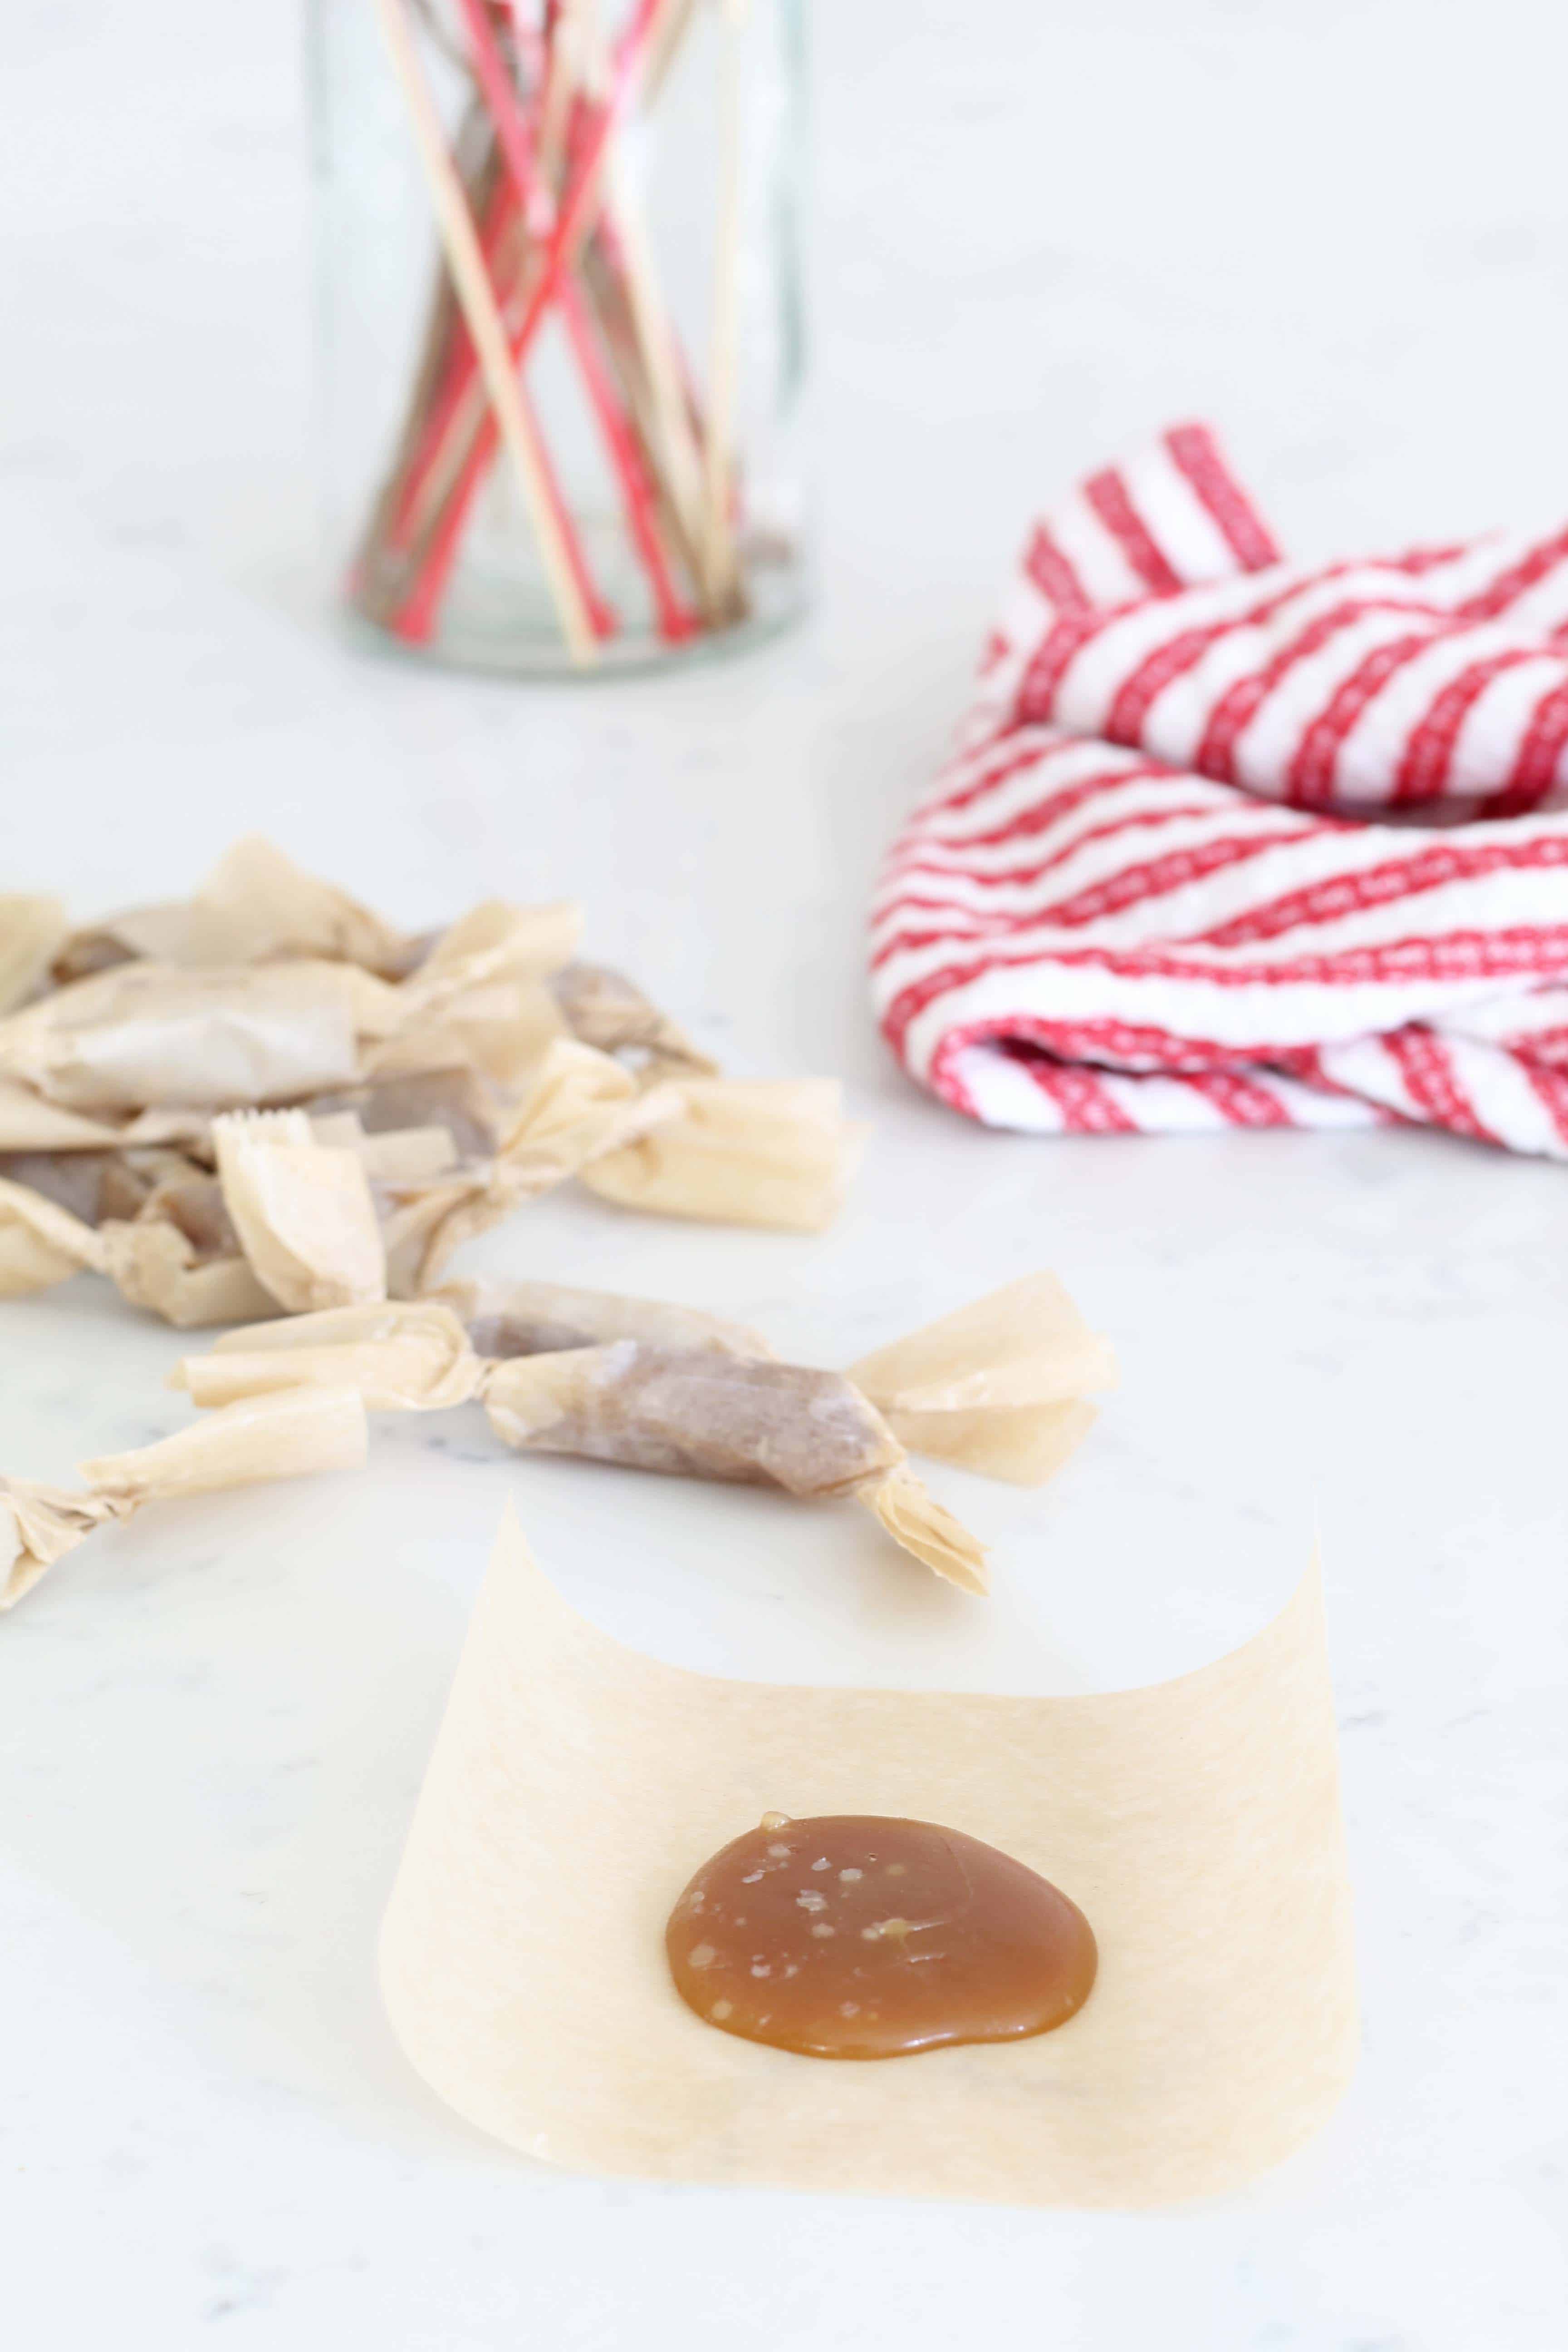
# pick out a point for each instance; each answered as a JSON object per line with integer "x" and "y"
{"x": 855, "y": 1935}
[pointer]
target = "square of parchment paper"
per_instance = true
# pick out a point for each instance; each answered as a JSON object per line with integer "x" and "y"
{"x": 575, "y": 1785}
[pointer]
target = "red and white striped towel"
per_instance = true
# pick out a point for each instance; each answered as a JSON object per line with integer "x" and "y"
{"x": 1148, "y": 892}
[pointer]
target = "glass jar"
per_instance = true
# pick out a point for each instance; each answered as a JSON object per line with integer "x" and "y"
{"x": 561, "y": 324}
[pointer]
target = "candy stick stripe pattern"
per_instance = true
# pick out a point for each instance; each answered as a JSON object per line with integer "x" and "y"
{"x": 1229, "y": 841}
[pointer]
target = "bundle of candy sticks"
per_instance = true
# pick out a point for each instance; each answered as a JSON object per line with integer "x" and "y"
{"x": 538, "y": 222}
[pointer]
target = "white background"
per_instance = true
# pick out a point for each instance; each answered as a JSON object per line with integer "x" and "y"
{"x": 1342, "y": 231}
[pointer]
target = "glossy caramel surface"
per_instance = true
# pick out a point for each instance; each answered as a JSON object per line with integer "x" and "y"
{"x": 860, "y": 1936}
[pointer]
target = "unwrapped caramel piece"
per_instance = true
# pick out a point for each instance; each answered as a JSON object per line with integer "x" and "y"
{"x": 867, "y": 1936}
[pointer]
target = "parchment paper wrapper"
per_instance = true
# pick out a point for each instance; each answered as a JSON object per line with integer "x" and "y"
{"x": 999, "y": 1387}
{"x": 303, "y": 1212}
{"x": 146, "y": 1033}
{"x": 538, "y": 1318}
{"x": 479, "y": 997}
{"x": 279, "y": 1436}
{"x": 257, "y": 906}
{"x": 575, "y": 1785}
{"x": 606, "y": 1010}
{"x": 401, "y": 1358}
{"x": 31, "y": 932}
{"x": 582, "y": 1105}
{"x": 740, "y": 1151}
{"x": 29, "y": 1123}
{"x": 40, "y": 1244}
{"x": 180, "y": 1257}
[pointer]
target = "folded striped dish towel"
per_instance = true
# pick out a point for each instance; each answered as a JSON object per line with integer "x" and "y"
{"x": 1229, "y": 841}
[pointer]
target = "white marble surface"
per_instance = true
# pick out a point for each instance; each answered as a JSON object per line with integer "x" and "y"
{"x": 1343, "y": 231}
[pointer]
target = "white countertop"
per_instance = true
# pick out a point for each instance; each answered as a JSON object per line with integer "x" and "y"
{"x": 1340, "y": 231}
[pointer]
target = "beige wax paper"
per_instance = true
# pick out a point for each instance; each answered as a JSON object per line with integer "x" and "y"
{"x": 38, "y": 1525}
{"x": 606, "y": 1010}
{"x": 999, "y": 1386}
{"x": 281, "y": 1436}
{"x": 407, "y": 1155}
{"x": 478, "y": 998}
{"x": 180, "y": 1257}
{"x": 405, "y": 1357}
{"x": 581, "y": 1104}
{"x": 29, "y": 1123}
{"x": 303, "y": 1212}
{"x": 153, "y": 1034}
{"x": 575, "y": 1785}
{"x": 40, "y": 1242}
{"x": 31, "y": 931}
{"x": 764, "y": 1151}
{"x": 255, "y": 906}
{"x": 535, "y": 1319}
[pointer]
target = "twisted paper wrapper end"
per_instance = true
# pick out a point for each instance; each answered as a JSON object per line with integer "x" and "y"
{"x": 284, "y": 1435}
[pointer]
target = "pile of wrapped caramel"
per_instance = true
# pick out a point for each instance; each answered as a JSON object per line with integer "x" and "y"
{"x": 265, "y": 1097}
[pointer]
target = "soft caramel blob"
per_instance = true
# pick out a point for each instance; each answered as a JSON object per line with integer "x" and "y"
{"x": 854, "y": 1936}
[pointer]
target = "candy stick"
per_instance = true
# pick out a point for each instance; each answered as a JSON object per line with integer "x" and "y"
{"x": 680, "y": 463}
{"x": 665, "y": 47}
{"x": 465, "y": 262}
{"x": 447, "y": 369}
{"x": 718, "y": 542}
{"x": 676, "y": 622}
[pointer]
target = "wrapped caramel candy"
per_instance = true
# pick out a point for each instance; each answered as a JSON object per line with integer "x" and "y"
{"x": 670, "y": 1388}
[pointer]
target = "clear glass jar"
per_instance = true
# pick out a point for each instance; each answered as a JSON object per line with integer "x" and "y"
{"x": 561, "y": 324}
